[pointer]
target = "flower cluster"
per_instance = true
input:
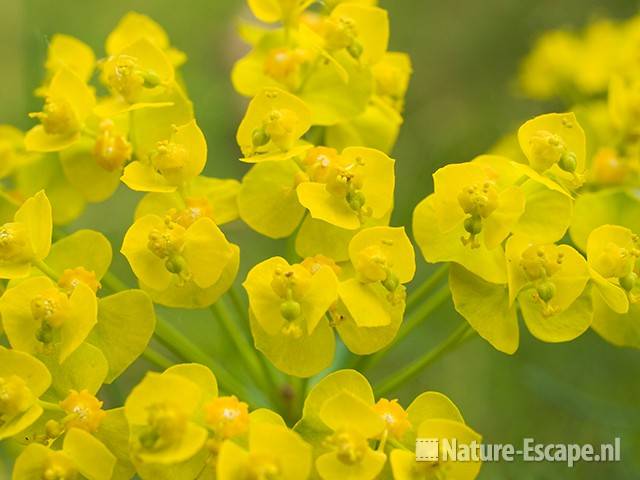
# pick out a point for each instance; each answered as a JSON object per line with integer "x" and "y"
{"x": 546, "y": 227}
{"x": 327, "y": 98}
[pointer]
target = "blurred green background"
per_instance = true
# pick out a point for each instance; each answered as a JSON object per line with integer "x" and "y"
{"x": 461, "y": 100}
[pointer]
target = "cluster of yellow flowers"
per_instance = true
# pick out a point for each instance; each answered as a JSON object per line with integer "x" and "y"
{"x": 321, "y": 84}
{"x": 326, "y": 102}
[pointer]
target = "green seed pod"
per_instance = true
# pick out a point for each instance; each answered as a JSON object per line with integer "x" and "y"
{"x": 355, "y": 49}
{"x": 391, "y": 282}
{"x": 628, "y": 282}
{"x": 473, "y": 225}
{"x": 176, "y": 264}
{"x": 151, "y": 79}
{"x": 356, "y": 200}
{"x": 260, "y": 138}
{"x": 568, "y": 162}
{"x": 290, "y": 310}
{"x": 546, "y": 291}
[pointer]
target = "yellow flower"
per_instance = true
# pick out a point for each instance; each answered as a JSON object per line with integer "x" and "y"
{"x": 180, "y": 266}
{"x": 84, "y": 411}
{"x": 396, "y": 418}
{"x": 346, "y": 189}
{"x": 68, "y": 103}
{"x": 82, "y": 456}
{"x": 161, "y": 412}
{"x": 288, "y": 304}
{"x": 139, "y": 76}
{"x": 170, "y": 163}
{"x": 227, "y": 416}
{"x": 39, "y": 317}
{"x": 27, "y": 238}
{"x": 612, "y": 253}
{"x": 273, "y": 452}
{"x": 23, "y": 379}
{"x": 272, "y": 127}
{"x": 555, "y": 144}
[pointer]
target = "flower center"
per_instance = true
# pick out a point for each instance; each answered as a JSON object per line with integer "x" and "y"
{"x": 15, "y": 397}
{"x": 395, "y": 417}
{"x": 72, "y": 277}
{"x": 14, "y": 243}
{"x": 58, "y": 117}
{"x": 124, "y": 76}
{"x": 263, "y": 467}
{"x": 227, "y": 416}
{"x": 284, "y": 65}
{"x": 111, "y": 149}
{"x": 350, "y": 446}
{"x": 84, "y": 410}
{"x": 166, "y": 426}
{"x": 59, "y": 467}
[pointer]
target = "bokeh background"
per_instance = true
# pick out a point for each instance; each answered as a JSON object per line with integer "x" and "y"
{"x": 462, "y": 99}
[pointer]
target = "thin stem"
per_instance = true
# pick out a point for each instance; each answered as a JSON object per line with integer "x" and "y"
{"x": 54, "y": 407}
{"x": 426, "y": 287}
{"x": 397, "y": 379}
{"x": 181, "y": 346}
{"x": 113, "y": 283}
{"x": 245, "y": 349}
{"x": 155, "y": 357}
{"x": 414, "y": 320}
{"x": 46, "y": 269}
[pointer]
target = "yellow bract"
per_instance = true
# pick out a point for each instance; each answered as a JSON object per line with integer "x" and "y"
{"x": 69, "y": 101}
{"x": 166, "y": 256}
{"x": 272, "y": 127}
{"x": 27, "y": 238}
{"x": 23, "y": 379}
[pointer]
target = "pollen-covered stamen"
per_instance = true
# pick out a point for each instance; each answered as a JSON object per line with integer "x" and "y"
{"x": 169, "y": 159}
{"x": 167, "y": 241}
{"x": 58, "y": 117}
{"x": 14, "y": 243}
{"x": 227, "y": 417}
{"x": 285, "y": 64}
{"x": 124, "y": 75}
{"x": 83, "y": 411}
{"x": 341, "y": 33}
{"x": 615, "y": 261}
{"x": 322, "y": 164}
{"x": 278, "y": 128}
{"x": 72, "y": 277}
{"x": 548, "y": 149}
{"x": 51, "y": 309}
{"x": 263, "y": 467}
{"x": 395, "y": 417}
{"x": 478, "y": 201}
{"x": 349, "y": 445}
{"x": 15, "y": 397}
{"x": 197, "y": 207}
{"x": 59, "y": 466}
{"x": 166, "y": 425}
{"x": 540, "y": 263}
{"x": 111, "y": 150}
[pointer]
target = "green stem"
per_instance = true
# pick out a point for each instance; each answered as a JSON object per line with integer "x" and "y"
{"x": 54, "y": 407}
{"x": 181, "y": 346}
{"x": 247, "y": 352}
{"x": 427, "y": 286}
{"x": 46, "y": 269}
{"x": 397, "y": 379}
{"x": 414, "y": 320}
{"x": 155, "y": 357}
